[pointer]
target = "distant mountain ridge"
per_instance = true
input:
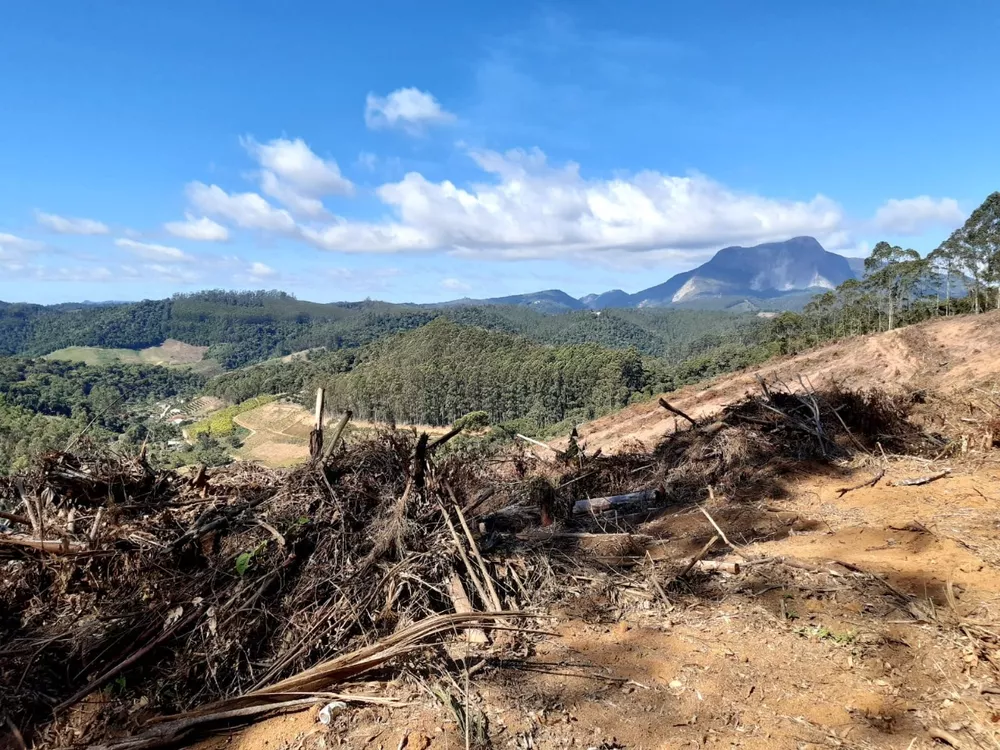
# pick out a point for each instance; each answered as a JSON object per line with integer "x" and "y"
{"x": 774, "y": 275}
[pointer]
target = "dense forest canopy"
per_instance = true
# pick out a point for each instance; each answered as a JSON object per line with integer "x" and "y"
{"x": 242, "y": 328}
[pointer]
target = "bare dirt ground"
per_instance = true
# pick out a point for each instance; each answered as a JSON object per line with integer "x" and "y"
{"x": 946, "y": 357}
{"x": 279, "y": 433}
{"x": 869, "y": 628}
{"x": 773, "y": 657}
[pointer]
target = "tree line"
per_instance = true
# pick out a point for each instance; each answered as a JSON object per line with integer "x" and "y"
{"x": 244, "y": 328}
{"x": 900, "y": 287}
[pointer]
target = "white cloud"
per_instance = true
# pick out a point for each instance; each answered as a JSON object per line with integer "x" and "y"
{"x": 367, "y": 160}
{"x": 410, "y": 109}
{"x": 161, "y": 253}
{"x": 456, "y": 285}
{"x": 913, "y": 216}
{"x": 532, "y": 210}
{"x": 295, "y": 163}
{"x": 11, "y": 245}
{"x": 201, "y": 230}
{"x": 247, "y": 210}
{"x": 294, "y": 201}
{"x": 69, "y": 225}
{"x": 261, "y": 271}
{"x": 295, "y": 176}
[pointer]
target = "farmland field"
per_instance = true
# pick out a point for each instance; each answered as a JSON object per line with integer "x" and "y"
{"x": 171, "y": 353}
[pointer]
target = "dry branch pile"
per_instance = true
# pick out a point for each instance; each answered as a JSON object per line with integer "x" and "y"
{"x": 128, "y": 594}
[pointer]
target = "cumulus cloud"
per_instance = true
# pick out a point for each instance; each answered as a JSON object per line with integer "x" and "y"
{"x": 295, "y": 176}
{"x": 161, "y": 253}
{"x": 70, "y": 225}
{"x": 247, "y": 210}
{"x": 261, "y": 271}
{"x": 533, "y": 210}
{"x": 199, "y": 229}
{"x": 913, "y": 216}
{"x": 409, "y": 109}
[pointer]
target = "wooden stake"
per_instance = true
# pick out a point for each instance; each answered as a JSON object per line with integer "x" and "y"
{"x": 316, "y": 436}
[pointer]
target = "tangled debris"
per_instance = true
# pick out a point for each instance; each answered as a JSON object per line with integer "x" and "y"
{"x": 128, "y": 595}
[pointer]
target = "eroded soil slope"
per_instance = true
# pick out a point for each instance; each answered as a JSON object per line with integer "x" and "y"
{"x": 947, "y": 358}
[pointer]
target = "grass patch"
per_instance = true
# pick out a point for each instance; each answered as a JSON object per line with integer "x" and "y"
{"x": 220, "y": 424}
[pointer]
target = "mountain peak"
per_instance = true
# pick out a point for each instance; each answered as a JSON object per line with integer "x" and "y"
{"x": 773, "y": 274}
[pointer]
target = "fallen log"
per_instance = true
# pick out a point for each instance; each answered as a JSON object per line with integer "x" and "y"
{"x": 615, "y": 502}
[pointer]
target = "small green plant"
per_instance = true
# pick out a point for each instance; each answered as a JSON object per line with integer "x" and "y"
{"x": 245, "y": 559}
{"x": 823, "y": 633}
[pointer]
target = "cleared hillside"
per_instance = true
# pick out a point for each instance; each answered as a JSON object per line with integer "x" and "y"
{"x": 947, "y": 357}
{"x": 171, "y": 353}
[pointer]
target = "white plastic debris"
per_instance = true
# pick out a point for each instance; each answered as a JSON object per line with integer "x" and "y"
{"x": 330, "y": 710}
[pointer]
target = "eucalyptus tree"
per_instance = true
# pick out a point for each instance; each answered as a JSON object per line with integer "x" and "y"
{"x": 976, "y": 248}
{"x": 894, "y": 274}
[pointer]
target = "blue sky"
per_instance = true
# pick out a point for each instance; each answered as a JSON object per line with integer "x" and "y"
{"x": 427, "y": 151}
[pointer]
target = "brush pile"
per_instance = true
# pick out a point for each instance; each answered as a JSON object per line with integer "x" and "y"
{"x": 128, "y": 594}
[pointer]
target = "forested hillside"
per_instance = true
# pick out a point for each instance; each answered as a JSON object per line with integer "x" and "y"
{"x": 242, "y": 328}
{"x": 43, "y": 403}
{"x": 442, "y": 371}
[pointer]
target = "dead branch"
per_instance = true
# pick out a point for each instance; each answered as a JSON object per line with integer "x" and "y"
{"x": 674, "y": 410}
{"x": 539, "y": 443}
{"x": 718, "y": 528}
{"x": 717, "y": 566}
{"x": 95, "y": 684}
{"x": 337, "y": 433}
{"x": 460, "y": 601}
{"x": 487, "y": 578}
{"x": 49, "y": 546}
{"x": 867, "y": 483}
{"x": 14, "y": 518}
{"x": 947, "y": 737}
{"x": 480, "y": 588}
{"x": 922, "y": 480}
{"x": 453, "y": 432}
{"x": 698, "y": 557}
